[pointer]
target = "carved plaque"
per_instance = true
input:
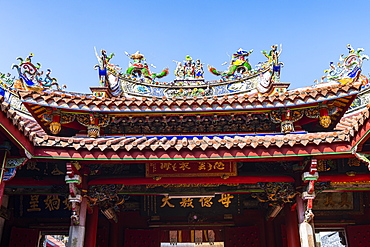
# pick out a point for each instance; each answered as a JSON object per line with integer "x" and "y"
{"x": 334, "y": 201}
{"x": 191, "y": 169}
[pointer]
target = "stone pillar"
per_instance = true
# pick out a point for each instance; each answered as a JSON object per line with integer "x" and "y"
{"x": 307, "y": 235}
{"x": 291, "y": 226}
{"x": 92, "y": 227}
{"x": 77, "y": 232}
{"x": 306, "y": 231}
{"x": 76, "y": 184}
{"x": 306, "y": 227}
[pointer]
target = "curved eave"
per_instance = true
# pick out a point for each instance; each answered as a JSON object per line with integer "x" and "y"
{"x": 361, "y": 127}
{"x": 8, "y": 117}
{"x": 178, "y": 109}
{"x": 259, "y": 153}
{"x": 152, "y": 105}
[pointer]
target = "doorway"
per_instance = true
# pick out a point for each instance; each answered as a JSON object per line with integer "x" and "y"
{"x": 52, "y": 240}
{"x": 330, "y": 238}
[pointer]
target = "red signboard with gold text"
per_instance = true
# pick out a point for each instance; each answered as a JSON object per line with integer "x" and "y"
{"x": 191, "y": 169}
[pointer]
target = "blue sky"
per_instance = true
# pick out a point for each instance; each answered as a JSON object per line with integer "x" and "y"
{"x": 62, "y": 34}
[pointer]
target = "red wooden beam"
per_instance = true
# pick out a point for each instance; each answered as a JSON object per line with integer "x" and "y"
{"x": 32, "y": 182}
{"x": 192, "y": 180}
{"x": 361, "y": 136}
{"x": 14, "y": 134}
{"x": 344, "y": 178}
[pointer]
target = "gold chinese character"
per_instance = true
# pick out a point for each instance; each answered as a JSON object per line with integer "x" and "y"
{"x": 202, "y": 166}
{"x": 206, "y": 202}
{"x": 67, "y": 204}
{"x": 329, "y": 202}
{"x": 31, "y": 165}
{"x": 52, "y": 202}
{"x": 225, "y": 200}
{"x": 354, "y": 162}
{"x": 219, "y": 166}
{"x": 186, "y": 203}
{"x": 34, "y": 204}
{"x": 56, "y": 171}
{"x": 183, "y": 166}
{"x": 166, "y": 201}
{"x": 344, "y": 200}
{"x": 168, "y": 166}
{"x": 210, "y": 166}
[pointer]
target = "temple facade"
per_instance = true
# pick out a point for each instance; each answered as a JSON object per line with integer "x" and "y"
{"x": 238, "y": 161}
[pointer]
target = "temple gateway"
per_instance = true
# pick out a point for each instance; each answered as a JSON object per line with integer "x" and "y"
{"x": 239, "y": 161}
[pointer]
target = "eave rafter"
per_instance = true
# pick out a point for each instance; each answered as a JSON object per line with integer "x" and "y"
{"x": 14, "y": 128}
{"x": 260, "y": 153}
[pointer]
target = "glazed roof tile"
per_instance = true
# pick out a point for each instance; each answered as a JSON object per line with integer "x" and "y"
{"x": 317, "y": 93}
{"x": 203, "y": 143}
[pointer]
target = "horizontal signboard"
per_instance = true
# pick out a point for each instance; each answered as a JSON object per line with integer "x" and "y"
{"x": 191, "y": 169}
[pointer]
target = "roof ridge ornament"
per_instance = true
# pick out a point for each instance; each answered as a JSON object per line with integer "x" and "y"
{"x": 30, "y": 76}
{"x": 139, "y": 69}
{"x": 240, "y": 78}
{"x": 239, "y": 65}
{"x": 104, "y": 62}
{"x": 348, "y": 69}
{"x": 188, "y": 71}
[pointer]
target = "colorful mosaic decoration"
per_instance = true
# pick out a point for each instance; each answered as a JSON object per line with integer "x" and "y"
{"x": 241, "y": 77}
{"x": 347, "y": 69}
{"x": 239, "y": 65}
{"x": 31, "y": 77}
{"x": 189, "y": 70}
{"x": 103, "y": 60}
{"x": 139, "y": 68}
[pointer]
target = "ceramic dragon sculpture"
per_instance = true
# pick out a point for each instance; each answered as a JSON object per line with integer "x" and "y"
{"x": 139, "y": 68}
{"x": 239, "y": 64}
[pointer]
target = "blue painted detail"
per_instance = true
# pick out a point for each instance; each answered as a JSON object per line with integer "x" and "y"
{"x": 28, "y": 81}
{"x": 9, "y": 173}
{"x": 2, "y": 92}
{"x": 102, "y": 71}
{"x": 276, "y": 68}
{"x": 354, "y": 72}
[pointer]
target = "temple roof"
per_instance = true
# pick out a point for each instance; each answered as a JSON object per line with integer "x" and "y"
{"x": 248, "y": 114}
{"x": 293, "y": 98}
{"x": 346, "y": 128}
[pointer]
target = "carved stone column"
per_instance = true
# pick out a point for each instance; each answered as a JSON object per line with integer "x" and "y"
{"x": 79, "y": 206}
{"x": 77, "y": 231}
{"x": 306, "y": 229}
